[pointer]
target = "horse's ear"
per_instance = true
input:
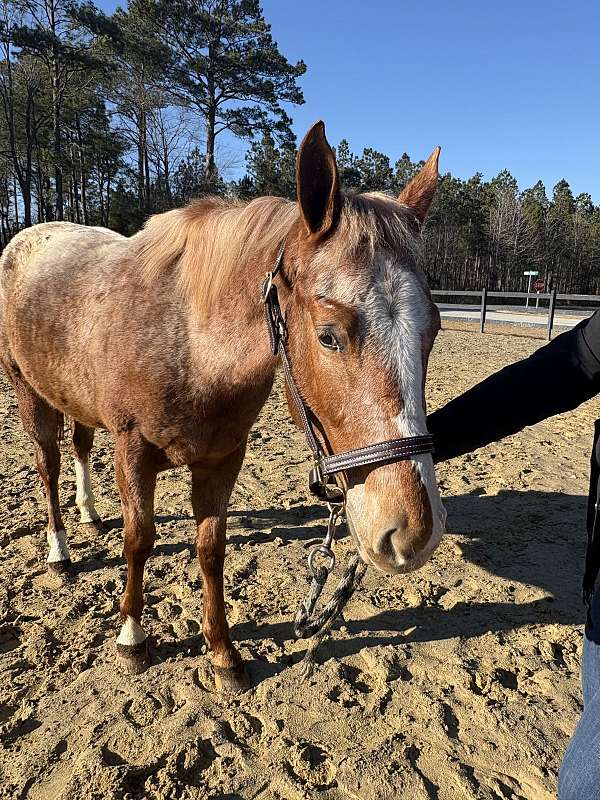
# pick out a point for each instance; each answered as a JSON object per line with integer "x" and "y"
{"x": 419, "y": 192}
{"x": 317, "y": 182}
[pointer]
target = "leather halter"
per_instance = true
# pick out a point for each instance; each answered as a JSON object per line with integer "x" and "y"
{"x": 327, "y": 466}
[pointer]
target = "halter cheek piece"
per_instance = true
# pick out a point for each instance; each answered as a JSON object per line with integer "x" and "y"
{"x": 327, "y": 466}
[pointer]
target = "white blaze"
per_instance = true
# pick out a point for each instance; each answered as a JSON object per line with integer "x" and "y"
{"x": 398, "y": 314}
{"x": 85, "y": 495}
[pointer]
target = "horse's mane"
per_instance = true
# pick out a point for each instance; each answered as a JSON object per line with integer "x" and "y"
{"x": 209, "y": 239}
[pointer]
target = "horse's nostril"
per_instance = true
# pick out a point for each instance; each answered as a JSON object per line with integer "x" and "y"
{"x": 384, "y": 545}
{"x": 400, "y": 544}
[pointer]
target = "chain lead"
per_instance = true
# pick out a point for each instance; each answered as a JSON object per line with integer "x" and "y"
{"x": 325, "y": 548}
{"x": 308, "y": 623}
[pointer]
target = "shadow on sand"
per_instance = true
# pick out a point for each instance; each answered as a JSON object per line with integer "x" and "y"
{"x": 528, "y": 537}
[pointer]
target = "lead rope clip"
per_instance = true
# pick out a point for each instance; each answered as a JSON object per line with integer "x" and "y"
{"x": 308, "y": 624}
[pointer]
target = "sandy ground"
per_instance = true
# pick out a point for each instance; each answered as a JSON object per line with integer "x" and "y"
{"x": 459, "y": 681}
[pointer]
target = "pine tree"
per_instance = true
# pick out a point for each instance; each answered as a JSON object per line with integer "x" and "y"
{"x": 136, "y": 83}
{"x": 375, "y": 172}
{"x": 404, "y": 171}
{"x": 226, "y": 64}
{"x": 190, "y": 180}
{"x": 49, "y": 33}
{"x": 271, "y": 169}
{"x": 559, "y": 234}
{"x": 349, "y": 173}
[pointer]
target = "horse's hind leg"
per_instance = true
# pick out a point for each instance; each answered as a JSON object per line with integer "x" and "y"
{"x": 42, "y": 423}
{"x": 83, "y": 439}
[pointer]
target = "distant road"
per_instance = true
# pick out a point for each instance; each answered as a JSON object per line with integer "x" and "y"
{"x": 470, "y": 313}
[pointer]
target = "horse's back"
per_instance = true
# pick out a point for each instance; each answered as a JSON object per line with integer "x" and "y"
{"x": 49, "y": 277}
{"x": 40, "y": 240}
{"x": 46, "y": 253}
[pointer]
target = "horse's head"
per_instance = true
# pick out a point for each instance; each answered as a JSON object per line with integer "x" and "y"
{"x": 361, "y": 326}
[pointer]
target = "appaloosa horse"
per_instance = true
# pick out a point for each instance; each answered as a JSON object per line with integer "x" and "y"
{"x": 160, "y": 338}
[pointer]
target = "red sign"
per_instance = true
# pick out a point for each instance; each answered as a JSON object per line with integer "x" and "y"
{"x": 539, "y": 285}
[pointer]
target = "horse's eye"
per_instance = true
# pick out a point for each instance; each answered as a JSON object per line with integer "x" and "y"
{"x": 328, "y": 340}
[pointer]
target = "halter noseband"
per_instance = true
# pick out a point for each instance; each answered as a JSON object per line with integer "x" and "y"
{"x": 326, "y": 466}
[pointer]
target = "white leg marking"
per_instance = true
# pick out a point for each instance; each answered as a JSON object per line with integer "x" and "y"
{"x": 85, "y": 495}
{"x": 131, "y": 633}
{"x": 57, "y": 542}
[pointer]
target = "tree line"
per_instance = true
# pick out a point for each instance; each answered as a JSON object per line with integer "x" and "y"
{"x": 105, "y": 119}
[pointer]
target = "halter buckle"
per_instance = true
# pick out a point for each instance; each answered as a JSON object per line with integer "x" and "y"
{"x": 316, "y": 482}
{"x": 330, "y": 493}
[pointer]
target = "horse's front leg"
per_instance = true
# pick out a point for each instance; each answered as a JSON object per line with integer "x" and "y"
{"x": 211, "y": 489}
{"x": 136, "y": 471}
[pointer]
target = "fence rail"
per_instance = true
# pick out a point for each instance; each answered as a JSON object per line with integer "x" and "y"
{"x": 551, "y": 296}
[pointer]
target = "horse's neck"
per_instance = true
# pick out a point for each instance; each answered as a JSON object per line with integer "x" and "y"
{"x": 233, "y": 338}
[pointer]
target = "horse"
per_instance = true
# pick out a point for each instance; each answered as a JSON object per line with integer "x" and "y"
{"x": 160, "y": 339}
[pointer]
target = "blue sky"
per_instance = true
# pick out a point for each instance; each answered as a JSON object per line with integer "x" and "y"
{"x": 496, "y": 84}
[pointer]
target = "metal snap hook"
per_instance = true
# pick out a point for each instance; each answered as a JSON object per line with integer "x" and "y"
{"x": 323, "y": 550}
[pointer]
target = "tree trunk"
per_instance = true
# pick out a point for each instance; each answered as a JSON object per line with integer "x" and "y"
{"x": 47, "y": 202}
{"x": 26, "y": 196}
{"x": 23, "y": 176}
{"x": 56, "y": 116}
{"x": 82, "y": 174}
{"x": 148, "y": 206}
{"x": 101, "y": 191}
{"x": 4, "y": 219}
{"x": 16, "y": 197}
{"x": 167, "y": 175}
{"x": 142, "y": 156}
{"x": 108, "y": 192}
{"x": 211, "y": 167}
{"x": 211, "y": 121}
{"x": 41, "y": 208}
{"x": 57, "y": 150}
{"x": 30, "y": 143}
{"x": 75, "y": 184}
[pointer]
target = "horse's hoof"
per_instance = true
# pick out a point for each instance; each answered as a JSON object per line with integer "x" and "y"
{"x": 61, "y": 569}
{"x": 133, "y": 658}
{"x": 231, "y": 680}
{"x": 95, "y": 526}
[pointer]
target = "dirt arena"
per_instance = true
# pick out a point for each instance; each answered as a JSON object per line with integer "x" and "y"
{"x": 459, "y": 681}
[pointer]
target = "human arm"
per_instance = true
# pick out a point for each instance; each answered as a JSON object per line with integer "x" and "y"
{"x": 558, "y": 377}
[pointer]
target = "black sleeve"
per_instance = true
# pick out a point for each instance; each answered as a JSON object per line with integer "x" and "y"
{"x": 557, "y": 377}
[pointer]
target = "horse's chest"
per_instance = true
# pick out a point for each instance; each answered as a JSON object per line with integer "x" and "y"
{"x": 212, "y": 424}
